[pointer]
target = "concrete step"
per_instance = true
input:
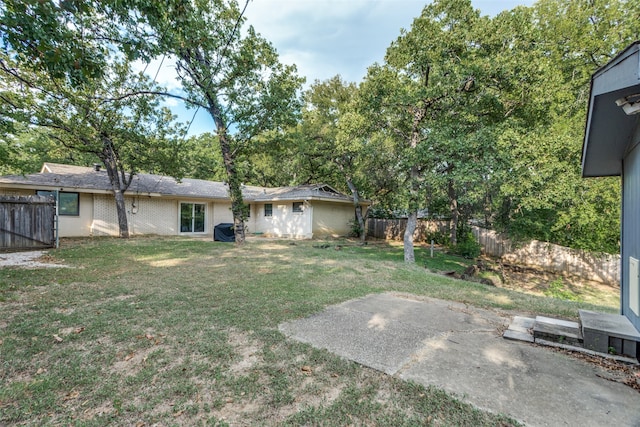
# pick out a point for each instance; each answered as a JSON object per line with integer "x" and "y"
{"x": 609, "y": 333}
{"x": 557, "y": 330}
{"x": 520, "y": 329}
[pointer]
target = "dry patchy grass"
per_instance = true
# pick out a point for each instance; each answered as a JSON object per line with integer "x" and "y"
{"x": 170, "y": 331}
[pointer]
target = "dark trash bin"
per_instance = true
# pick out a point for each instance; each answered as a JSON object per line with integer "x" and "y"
{"x": 224, "y": 233}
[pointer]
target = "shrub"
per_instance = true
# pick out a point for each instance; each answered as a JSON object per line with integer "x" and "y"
{"x": 467, "y": 246}
{"x": 354, "y": 228}
{"x": 438, "y": 237}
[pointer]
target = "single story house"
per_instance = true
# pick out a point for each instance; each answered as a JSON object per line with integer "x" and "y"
{"x": 165, "y": 206}
{"x": 612, "y": 148}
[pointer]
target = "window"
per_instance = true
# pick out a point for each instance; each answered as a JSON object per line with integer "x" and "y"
{"x": 297, "y": 207}
{"x": 247, "y": 209}
{"x": 68, "y": 203}
{"x": 192, "y": 217}
{"x": 268, "y": 209}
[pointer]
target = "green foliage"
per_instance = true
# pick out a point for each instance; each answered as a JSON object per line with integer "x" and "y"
{"x": 76, "y": 57}
{"x": 470, "y": 117}
{"x": 435, "y": 100}
{"x": 114, "y": 118}
{"x": 28, "y": 148}
{"x": 203, "y": 159}
{"x": 438, "y": 237}
{"x": 233, "y": 74}
{"x": 49, "y": 36}
{"x": 542, "y": 194}
{"x": 355, "y": 229}
{"x": 467, "y": 246}
{"x": 509, "y": 150}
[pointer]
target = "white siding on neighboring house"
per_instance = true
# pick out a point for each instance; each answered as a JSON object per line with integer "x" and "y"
{"x": 284, "y": 222}
{"x": 332, "y": 219}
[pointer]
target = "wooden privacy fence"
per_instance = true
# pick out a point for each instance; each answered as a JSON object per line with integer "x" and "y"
{"x": 596, "y": 266}
{"x": 393, "y": 229}
{"x": 492, "y": 243}
{"x": 27, "y": 222}
{"x": 599, "y": 267}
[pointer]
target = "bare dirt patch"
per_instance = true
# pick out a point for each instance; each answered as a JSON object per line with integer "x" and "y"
{"x": 248, "y": 352}
{"x": 29, "y": 259}
{"x": 132, "y": 362}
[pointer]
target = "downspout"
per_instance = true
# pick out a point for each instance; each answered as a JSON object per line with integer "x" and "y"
{"x": 623, "y": 253}
{"x": 57, "y": 220}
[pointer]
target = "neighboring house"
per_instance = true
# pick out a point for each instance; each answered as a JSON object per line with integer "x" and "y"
{"x": 612, "y": 148}
{"x": 164, "y": 206}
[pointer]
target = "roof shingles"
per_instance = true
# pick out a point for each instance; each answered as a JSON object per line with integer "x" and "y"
{"x": 88, "y": 179}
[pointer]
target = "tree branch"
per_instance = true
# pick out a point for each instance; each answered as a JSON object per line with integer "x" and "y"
{"x": 150, "y": 92}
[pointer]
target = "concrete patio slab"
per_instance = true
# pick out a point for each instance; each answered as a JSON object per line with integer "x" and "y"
{"x": 459, "y": 349}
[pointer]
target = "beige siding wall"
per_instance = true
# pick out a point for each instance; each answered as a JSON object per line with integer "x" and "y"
{"x": 332, "y": 219}
{"x": 78, "y": 226}
{"x": 147, "y": 215}
{"x": 151, "y": 215}
{"x": 105, "y": 219}
{"x": 284, "y": 222}
{"x": 222, "y": 213}
{"x": 251, "y": 221}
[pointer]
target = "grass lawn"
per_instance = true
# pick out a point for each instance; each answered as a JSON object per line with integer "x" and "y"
{"x": 173, "y": 331}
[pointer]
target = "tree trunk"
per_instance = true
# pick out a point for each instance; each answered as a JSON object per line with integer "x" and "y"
{"x": 412, "y": 222}
{"x": 121, "y": 209}
{"x": 361, "y": 224}
{"x": 358, "y": 208}
{"x": 455, "y": 213}
{"x": 414, "y": 188}
{"x": 118, "y": 186}
{"x": 235, "y": 187}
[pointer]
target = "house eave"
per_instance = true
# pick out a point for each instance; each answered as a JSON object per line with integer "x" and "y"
{"x": 310, "y": 198}
{"x": 48, "y": 187}
{"x": 608, "y": 129}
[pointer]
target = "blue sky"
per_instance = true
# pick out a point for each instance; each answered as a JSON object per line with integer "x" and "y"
{"x": 327, "y": 37}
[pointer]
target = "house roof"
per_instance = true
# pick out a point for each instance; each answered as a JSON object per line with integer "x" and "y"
{"x": 87, "y": 179}
{"x": 303, "y": 192}
{"x": 609, "y": 129}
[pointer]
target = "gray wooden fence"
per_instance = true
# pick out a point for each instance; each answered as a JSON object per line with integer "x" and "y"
{"x": 599, "y": 267}
{"x": 492, "y": 243}
{"x": 27, "y": 222}
{"x": 393, "y": 229}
